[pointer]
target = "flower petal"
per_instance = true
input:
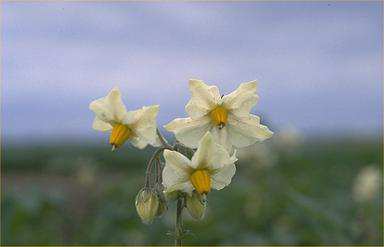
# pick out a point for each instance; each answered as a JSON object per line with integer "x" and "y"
{"x": 138, "y": 142}
{"x": 143, "y": 123}
{"x": 99, "y": 124}
{"x": 206, "y": 146}
{"x": 177, "y": 183}
{"x": 189, "y": 131}
{"x": 241, "y": 101}
{"x": 176, "y": 172}
{"x": 204, "y": 98}
{"x": 223, "y": 177}
{"x": 222, "y": 138}
{"x": 178, "y": 162}
{"x": 110, "y": 108}
{"x": 211, "y": 155}
{"x": 246, "y": 131}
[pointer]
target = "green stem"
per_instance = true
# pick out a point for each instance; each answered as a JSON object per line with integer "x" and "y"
{"x": 179, "y": 231}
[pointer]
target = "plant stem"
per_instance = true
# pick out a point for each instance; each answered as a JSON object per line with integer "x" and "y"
{"x": 179, "y": 231}
{"x": 163, "y": 141}
{"x": 149, "y": 166}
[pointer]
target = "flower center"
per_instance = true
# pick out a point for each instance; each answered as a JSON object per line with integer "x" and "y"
{"x": 120, "y": 133}
{"x": 219, "y": 116}
{"x": 201, "y": 180}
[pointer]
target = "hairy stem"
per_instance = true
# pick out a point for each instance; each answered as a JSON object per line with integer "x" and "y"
{"x": 155, "y": 157}
{"x": 179, "y": 231}
{"x": 150, "y": 164}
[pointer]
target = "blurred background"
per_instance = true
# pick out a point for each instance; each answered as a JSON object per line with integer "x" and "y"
{"x": 319, "y": 65}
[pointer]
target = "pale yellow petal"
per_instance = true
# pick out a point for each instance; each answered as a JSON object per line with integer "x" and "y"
{"x": 205, "y": 147}
{"x": 189, "y": 131}
{"x": 138, "y": 142}
{"x": 246, "y": 131}
{"x": 178, "y": 162}
{"x": 143, "y": 123}
{"x": 110, "y": 108}
{"x": 223, "y": 177}
{"x": 221, "y": 137}
{"x": 204, "y": 98}
{"x": 176, "y": 172}
{"x": 99, "y": 124}
{"x": 211, "y": 155}
{"x": 241, "y": 101}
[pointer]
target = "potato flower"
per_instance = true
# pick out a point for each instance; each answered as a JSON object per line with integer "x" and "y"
{"x": 367, "y": 184}
{"x": 139, "y": 126}
{"x": 210, "y": 167}
{"x": 227, "y": 117}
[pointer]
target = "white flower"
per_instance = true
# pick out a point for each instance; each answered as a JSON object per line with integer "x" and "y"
{"x": 288, "y": 139}
{"x": 227, "y": 117}
{"x": 259, "y": 154}
{"x": 210, "y": 167}
{"x": 366, "y": 184}
{"x": 139, "y": 127}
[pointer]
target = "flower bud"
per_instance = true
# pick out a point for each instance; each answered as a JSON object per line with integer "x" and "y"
{"x": 147, "y": 205}
{"x": 196, "y": 205}
{"x": 162, "y": 208}
{"x": 162, "y": 201}
{"x": 171, "y": 196}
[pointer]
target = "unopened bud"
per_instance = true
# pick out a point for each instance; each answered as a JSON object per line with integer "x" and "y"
{"x": 196, "y": 205}
{"x": 171, "y": 196}
{"x": 162, "y": 201}
{"x": 162, "y": 208}
{"x": 147, "y": 205}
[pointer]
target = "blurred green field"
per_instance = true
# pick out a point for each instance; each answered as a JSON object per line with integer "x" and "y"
{"x": 284, "y": 192}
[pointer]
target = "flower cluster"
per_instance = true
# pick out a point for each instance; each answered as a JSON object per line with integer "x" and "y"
{"x": 204, "y": 154}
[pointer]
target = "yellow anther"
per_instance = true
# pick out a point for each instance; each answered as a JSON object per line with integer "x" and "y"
{"x": 201, "y": 180}
{"x": 120, "y": 133}
{"x": 219, "y": 116}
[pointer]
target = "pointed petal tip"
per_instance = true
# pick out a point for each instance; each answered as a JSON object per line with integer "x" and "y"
{"x": 191, "y": 80}
{"x": 115, "y": 88}
{"x": 155, "y": 107}
{"x": 195, "y": 82}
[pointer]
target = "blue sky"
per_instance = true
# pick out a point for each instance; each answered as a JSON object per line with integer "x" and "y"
{"x": 318, "y": 64}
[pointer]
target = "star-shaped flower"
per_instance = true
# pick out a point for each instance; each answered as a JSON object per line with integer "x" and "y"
{"x": 139, "y": 126}
{"x": 210, "y": 167}
{"x": 228, "y": 117}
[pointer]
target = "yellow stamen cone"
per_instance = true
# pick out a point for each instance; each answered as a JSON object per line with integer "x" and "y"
{"x": 219, "y": 116}
{"x": 201, "y": 180}
{"x": 120, "y": 133}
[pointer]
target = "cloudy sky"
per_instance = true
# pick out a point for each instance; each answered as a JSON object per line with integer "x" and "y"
{"x": 318, "y": 64}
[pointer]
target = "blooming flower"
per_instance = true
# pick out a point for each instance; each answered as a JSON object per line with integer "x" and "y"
{"x": 210, "y": 167}
{"x": 139, "y": 126}
{"x": 227, "y": 117}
